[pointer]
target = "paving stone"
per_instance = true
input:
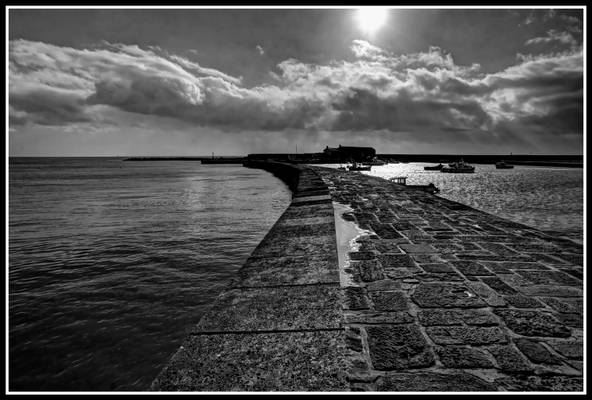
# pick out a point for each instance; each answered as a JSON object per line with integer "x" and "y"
{"x": 573, "y": 350}
{"x": 279, "y": 308}
{"x": 445, "y": 295}
{"x": 466, "y": 335}
{"x": 509, "y": 359}
{"x": 361, "y": 255}
{"x": 561, "y": 306}
{"x": 437, "y": 268}
{"x": 426, "y": 258}
{"x": 572, "y": 319}
{"x": 531, "y": 383}
{"x": 395, "y": 260}
{"x": 520, "y": 301}
{"x": 533, "y": 323}
{"x": 385, "y": 231}
{"x": 383, "y": 285}
{"x": 387, "y": 246}
{"x": 418, "y": 248}
{"x": 471, "y": 268}
{"x": 356, "y": 298}
{"x": 498, "y": 285}
{"x": 389, "y": 301}
{"x": 439, "y": 277}
{"x": 353, "y": 341}
{"x": 257, "y": 362}
{"x": 549, "y": 277}
{"x": 487, "y": 294}
{"x": 369, "y": 270}
{"x": 381, "y": 317}
{"x": 433, "y": 382}
{"x": 463, "y": 357}
{"x": 535, "y": 351}
{"x": 399, "y": 273}
{"x": 398, "y": 347}
{"x": 576, "y": 259}
{"x": 551, "y": 291}
{"x": 294, "y": 270}
{"x": 457, "y": 317}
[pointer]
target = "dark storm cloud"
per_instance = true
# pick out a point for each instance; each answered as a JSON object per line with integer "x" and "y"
{"x": 377, "y": 90}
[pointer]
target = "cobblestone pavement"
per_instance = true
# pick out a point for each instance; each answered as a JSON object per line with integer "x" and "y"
{"x": 448, "y": 298}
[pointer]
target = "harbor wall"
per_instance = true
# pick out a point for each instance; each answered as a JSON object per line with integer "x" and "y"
{"x": 278, "y": 326}
{"x": 438, "y": 297}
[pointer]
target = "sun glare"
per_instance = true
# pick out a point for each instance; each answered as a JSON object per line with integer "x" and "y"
{"x": 370, "y": 19}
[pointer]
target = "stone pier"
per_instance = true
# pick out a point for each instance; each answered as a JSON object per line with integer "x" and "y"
{"x": 440, "y": 297}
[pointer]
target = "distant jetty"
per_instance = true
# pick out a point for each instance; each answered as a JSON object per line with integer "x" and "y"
{"x": 365, "y": 154}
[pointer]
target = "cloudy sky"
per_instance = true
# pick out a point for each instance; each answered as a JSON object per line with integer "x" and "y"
{"x": 234, "y": 81}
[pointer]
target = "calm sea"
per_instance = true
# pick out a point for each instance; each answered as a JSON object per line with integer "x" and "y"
{"x": 112, "y": 262}
{"x": 547, "y": 198}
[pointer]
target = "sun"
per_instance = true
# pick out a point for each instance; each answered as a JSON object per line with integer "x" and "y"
{"x": 370, "y": 19}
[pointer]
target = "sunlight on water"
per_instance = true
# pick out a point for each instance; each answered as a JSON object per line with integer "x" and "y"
{"x": 546, "y": 198}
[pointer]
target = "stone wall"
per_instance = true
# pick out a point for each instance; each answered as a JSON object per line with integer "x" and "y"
{"x": 440, "y": 297}
{"x": 278, "y": 327}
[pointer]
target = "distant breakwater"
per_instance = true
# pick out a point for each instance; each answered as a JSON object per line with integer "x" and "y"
{"x": 317, "y": 158}
{"x": 439, "y": 297}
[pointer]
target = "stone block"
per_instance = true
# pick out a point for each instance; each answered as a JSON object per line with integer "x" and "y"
{"x": 356, "y": 298}
{"x": 471, "y": 268}
{"x": 433, "y": 382}
{"x": 509, "y": 359}
{"x": 487, "y": 294}
{"x": 445, "y": 295}
{"x": 398, "y": 347}
{"x": 466, "y": 335}
{"x": 278, "y": 308}
{"x": 418, "y": 248}
{"x": 498, "y": 285}
{"x": 395, "y": 260}
{"x": 536, "y": 352}
{"x": 463, "y": 357}
{"x": 520, "y": 301}
{"x": 369, "y": 270}
{"x": 373, "y": 317}
{"x": 533, "y": 323}
{"x": 257, "y": 362}
{"x": 574, "y": 350}
{"x": 437, "y": 268}
{"x": 457, "y": 317}
{"x": 389, "y": 301}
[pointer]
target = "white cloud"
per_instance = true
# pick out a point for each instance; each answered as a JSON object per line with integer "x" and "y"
{"x": 424, "y": 92}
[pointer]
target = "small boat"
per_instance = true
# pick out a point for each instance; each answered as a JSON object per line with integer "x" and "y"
{"x": 359, "y": 167}
{"x": 459, "y": 167}
{"x": 376, "y": 161}
{"x": 433, "y": 167}
{"x": 503, "y": 165}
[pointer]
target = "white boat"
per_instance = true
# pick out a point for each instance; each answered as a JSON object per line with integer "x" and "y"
{"x": 459, "y": 167}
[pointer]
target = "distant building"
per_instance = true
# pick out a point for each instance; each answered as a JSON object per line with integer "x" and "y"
{"x": 349, "y": 153}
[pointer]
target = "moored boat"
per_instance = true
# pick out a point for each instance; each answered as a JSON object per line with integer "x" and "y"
{"x": 503, "y": 165}
{"x": 459, "y": 167}
{"x": 433, "y": 167}
{"x": 376, "y": 161}
{"x": 359, "y": 167}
